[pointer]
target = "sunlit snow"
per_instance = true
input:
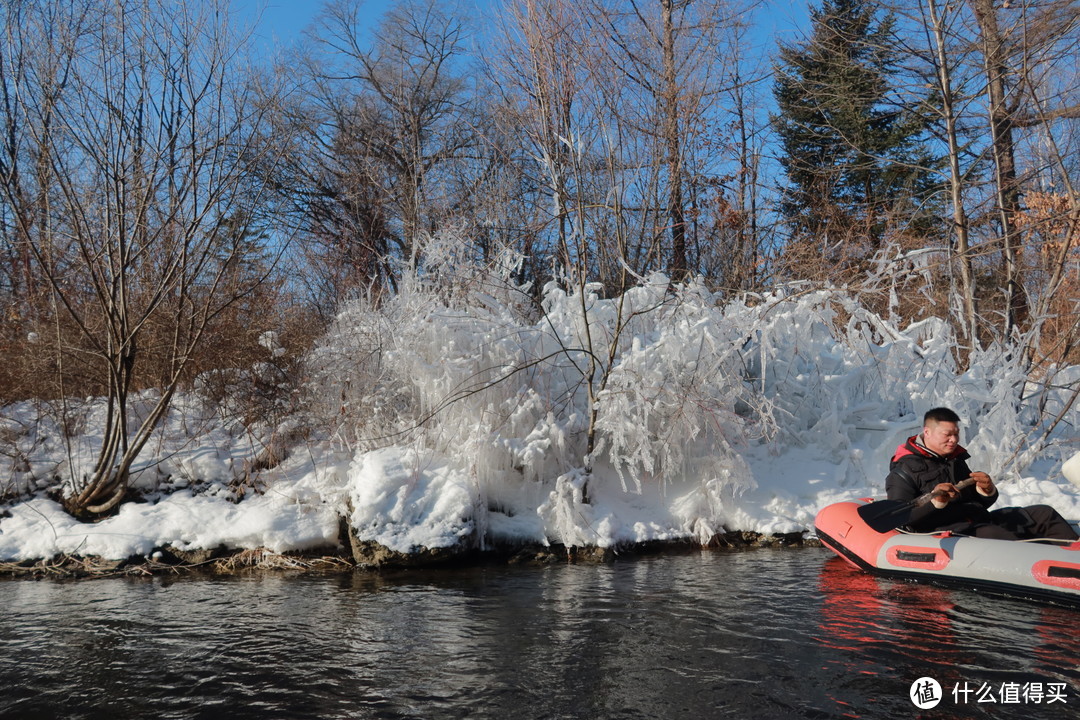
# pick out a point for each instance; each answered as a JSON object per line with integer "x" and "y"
{"x": 453, "y": 414}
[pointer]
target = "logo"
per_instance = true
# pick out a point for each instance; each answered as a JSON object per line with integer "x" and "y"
{"x": 925, "y": 693}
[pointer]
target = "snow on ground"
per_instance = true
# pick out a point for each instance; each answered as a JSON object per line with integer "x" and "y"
{"x": 405, "y": 502}
{"x": 449, "y": 416}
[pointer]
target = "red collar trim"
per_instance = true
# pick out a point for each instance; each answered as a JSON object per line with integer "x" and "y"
{"x": 914, "y": 446}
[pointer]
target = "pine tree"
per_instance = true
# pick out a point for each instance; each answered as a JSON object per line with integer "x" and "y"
{"x": 851, "y": 150}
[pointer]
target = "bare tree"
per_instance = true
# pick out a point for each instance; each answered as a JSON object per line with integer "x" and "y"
{"x": 939, "y": 24}
{"x": 668, "y": 56}
{"x": 1001, "y": 109}
{"x": 733, "y": 177}
{"x": 1011, "y": 50}
{"x": 341, "y": 217}
{"x": 613, "y": 99}
{"x": 28, "y": 186}
{"x": 137, "y": 132}
{"x": 540, "y": 68}
{"x": 402, "y": 105}
{"x": 1005, "y": 106}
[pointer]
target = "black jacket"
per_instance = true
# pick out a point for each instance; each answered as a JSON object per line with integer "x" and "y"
{"x": 915, "y": 470}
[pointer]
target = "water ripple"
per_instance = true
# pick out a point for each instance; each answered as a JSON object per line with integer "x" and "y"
{"x": 784, "y": 634}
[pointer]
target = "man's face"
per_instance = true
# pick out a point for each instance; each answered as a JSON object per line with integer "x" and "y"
{"x": 941, "y": 436}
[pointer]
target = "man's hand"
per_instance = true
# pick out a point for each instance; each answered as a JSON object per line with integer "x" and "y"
{"x": 983, "y": 483}
{"x": 944, "y": 494}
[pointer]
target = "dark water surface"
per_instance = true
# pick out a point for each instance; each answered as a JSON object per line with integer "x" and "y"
{"x": 764, "y": 634}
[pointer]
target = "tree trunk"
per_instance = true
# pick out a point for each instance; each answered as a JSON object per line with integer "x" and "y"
{"x": 956, "y": 181}
{"x": 670, "y": 119}
{"x": 1004, "y": 151}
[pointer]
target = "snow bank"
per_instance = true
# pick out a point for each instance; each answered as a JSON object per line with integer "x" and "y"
{"x": 405, "y": 502}
{"x": 40, "y": 528}
{"x": 450, "y": 415}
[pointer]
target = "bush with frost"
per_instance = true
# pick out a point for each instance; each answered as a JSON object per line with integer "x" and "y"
{"x": 670, "y": 385}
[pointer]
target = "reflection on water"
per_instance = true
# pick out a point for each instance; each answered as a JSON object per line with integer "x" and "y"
{"x": 764, "y": 634}
{"x": 896, "y": 632}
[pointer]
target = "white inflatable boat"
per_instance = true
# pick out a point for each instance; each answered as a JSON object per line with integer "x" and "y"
{"x": 1029, "y": 569}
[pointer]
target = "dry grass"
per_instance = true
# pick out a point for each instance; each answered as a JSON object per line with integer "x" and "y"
{"x": 263, "y": 559}
{"x": 74, "y": 566}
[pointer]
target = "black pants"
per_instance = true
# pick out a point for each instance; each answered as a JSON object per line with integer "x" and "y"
{"x": 1026, "y": 523}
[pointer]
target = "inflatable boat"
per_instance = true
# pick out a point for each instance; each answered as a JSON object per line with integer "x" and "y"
{"x": 1028, "y": 569}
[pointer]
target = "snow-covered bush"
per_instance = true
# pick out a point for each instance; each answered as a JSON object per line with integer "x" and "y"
{"x": 455, "y": 365}
{"x": 458, "y": 412}
{"x": 678, "y": 390}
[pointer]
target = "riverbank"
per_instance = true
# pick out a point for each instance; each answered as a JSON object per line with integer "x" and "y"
{"x": 369, "y": 557}
{"x": 457, "y": 430}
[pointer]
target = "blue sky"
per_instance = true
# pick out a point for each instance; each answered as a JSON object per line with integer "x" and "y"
{"x": 281, "y": 21}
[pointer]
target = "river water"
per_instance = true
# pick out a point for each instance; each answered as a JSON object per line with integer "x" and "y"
{"x": 769, "y": 634}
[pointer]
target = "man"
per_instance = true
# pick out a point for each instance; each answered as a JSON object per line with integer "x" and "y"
{"x": 935, "y": 461}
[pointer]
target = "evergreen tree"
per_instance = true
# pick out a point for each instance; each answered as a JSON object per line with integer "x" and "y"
{"x": 851, "y": 150}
